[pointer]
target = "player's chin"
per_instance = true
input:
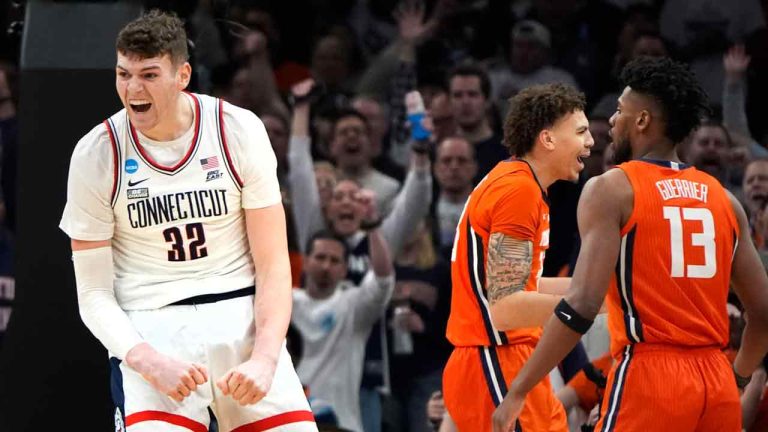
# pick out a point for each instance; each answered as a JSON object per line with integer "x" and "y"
{"x": 139, "y": 119}
{"x": 573, "y": 174}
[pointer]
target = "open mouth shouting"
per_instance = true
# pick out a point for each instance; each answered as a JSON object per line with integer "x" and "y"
{"x": 352, "y": 148}
{"x": 140, "y": 105}
{"x": 580, "y": 159}
{"x": 759, "y": 197}
{"x": 347, "y": 216}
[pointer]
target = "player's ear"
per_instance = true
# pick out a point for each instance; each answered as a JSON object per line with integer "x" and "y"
{"x": 183, "y": 75}
{"x": 643, "y": 120}
{"x": 547, "y": 139}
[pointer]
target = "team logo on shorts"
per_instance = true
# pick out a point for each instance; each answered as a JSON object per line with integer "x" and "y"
{"x": 138, "y": 193}
{"x": 213, "y": 175}
{"x": 131, "y": 166}
{"x": 119, "y": 426}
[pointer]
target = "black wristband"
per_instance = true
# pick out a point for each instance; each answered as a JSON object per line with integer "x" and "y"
{"x": 294, "y": 100}
{"x": 370, "y": 226}
{"x": 741, "y": 381}
{"x": 565, "y": 313}
{"x": 420, "y": 146}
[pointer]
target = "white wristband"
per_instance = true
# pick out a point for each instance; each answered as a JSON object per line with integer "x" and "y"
{"x": 94, "y": 272}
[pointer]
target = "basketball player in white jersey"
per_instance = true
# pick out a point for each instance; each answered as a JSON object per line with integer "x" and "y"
{"x": 174, "y": 212}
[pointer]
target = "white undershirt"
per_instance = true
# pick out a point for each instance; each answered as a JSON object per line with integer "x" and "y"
{"x": 168, "y": 153}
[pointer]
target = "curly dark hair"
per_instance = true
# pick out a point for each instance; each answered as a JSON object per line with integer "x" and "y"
{"x": 534, "y": 109}
{"x": 674, "y": 87}
{"x": 154, "y": 34}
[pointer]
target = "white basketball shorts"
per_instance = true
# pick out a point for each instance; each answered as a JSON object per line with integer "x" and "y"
{"x": 220, "y": 336}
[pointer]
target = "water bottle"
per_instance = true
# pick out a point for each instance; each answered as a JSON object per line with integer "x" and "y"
{"x": 415, "y": 111}
{"x": 402, "y": 340}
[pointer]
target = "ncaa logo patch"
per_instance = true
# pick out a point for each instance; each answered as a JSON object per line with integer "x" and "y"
{"x": 119, "y": 426}
{"x": 131, "y": 166}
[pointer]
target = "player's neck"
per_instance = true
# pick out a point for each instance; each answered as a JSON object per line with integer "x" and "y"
{"x": 176, "y": 122}
{"x": 544, "y": 173}
{"x": 663, "y": 152}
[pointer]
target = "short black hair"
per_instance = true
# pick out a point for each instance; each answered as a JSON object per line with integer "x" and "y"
{"x": 674, "y": 87}
{"x": 536, "y": 108}
{"x": 154, "y": 34}
{"x": 326, "y": 234}
{"x": 345, "y": 112}
{"x": 475, "y": 70}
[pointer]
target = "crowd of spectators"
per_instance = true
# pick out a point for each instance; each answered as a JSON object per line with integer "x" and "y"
{"x": 372, "y": 211}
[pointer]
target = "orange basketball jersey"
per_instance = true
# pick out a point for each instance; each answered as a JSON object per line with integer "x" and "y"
{"x": 671, "y": 281}
{"x": 508, "y": 200}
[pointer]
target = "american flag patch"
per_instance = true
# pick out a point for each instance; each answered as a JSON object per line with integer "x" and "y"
{"x": 210, "y": 162}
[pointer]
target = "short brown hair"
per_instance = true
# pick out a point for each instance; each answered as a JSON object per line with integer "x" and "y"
{"x": 154, "y": 34}
{"x": 472, "y": 70}
{"x": 534, "y": 109}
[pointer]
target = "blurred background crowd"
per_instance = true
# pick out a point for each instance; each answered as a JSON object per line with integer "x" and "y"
{"x": 329, "y": 79}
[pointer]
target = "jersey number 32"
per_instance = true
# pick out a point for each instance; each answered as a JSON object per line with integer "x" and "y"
{"x": 196, "y": 237}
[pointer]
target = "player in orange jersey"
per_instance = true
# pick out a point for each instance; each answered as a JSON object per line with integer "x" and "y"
{"x": 662, "y": 240}
{"x": 499, "y": 300}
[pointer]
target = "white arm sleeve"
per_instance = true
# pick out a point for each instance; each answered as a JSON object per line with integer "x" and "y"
{"x": 94, "y": 272}
{"x": 252, "y": 156}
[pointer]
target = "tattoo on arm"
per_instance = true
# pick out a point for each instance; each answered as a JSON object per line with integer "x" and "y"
{"x": 509, "y": 265}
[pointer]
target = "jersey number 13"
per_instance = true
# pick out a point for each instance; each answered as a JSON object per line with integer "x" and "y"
{"x": 704, "y": 238}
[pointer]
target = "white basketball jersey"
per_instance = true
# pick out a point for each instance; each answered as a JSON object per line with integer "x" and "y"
{"x": 177, "y": 231}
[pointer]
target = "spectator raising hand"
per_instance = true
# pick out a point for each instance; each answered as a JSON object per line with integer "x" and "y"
{"x": 366, "y": 198}
{"x": 735, "y": 63}
{"x": 410, "y": 21}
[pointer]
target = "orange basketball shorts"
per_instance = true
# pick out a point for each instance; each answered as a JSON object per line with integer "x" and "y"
{"x": 475, "y": 381}
{"x": 664, "y": 388}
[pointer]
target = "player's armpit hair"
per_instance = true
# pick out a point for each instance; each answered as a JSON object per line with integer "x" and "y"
{"x": 508, "y": 267}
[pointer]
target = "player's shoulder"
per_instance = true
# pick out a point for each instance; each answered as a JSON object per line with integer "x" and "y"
{"x": 608, "y": 191}
{"x": 97, "y": 143}
{"x": 506, "y": 192}
{"x": 615, "y": 181}
{"x": 512, "y": 178}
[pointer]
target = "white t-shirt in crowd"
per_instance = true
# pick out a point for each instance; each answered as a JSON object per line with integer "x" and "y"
{"x": 334, "y": 331}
